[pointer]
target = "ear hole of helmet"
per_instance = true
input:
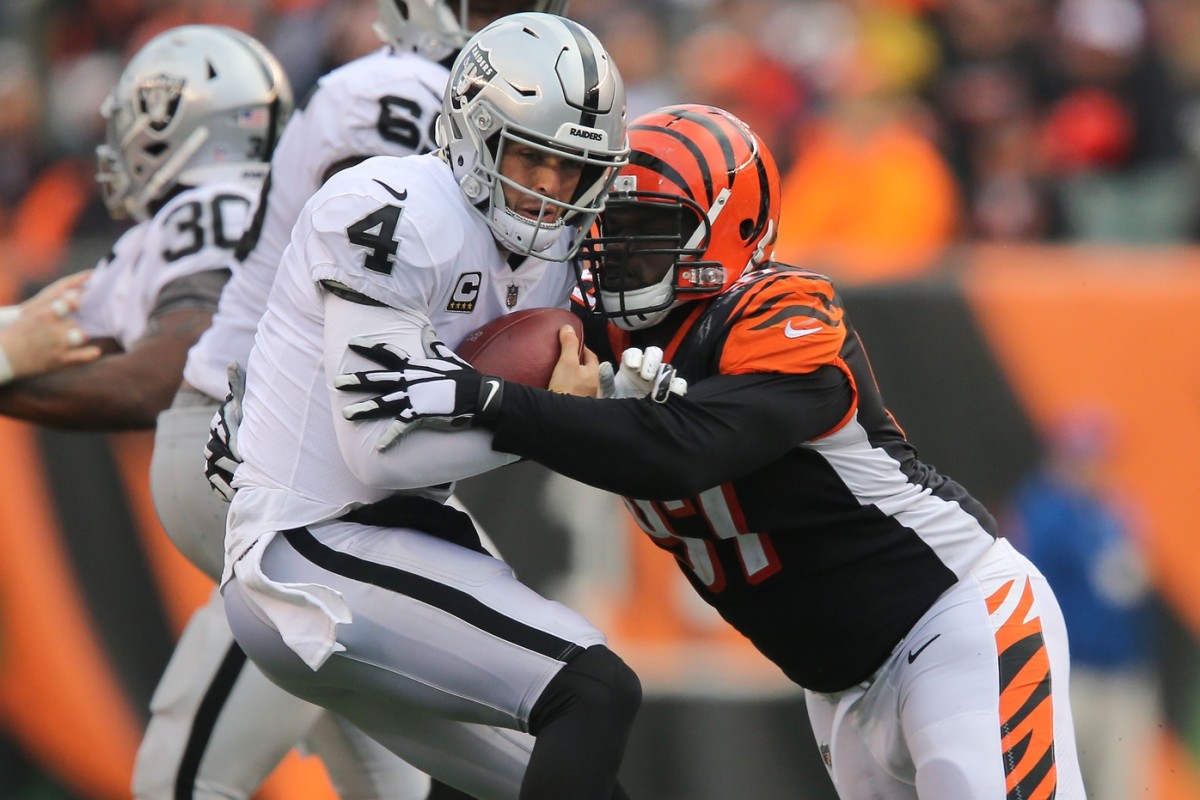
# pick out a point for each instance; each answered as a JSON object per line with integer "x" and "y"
{"x": 746, "y": 229}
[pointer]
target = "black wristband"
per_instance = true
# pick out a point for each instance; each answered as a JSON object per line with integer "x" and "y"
{"x": 466, "y": 390}
{"x": 491, "y": 397}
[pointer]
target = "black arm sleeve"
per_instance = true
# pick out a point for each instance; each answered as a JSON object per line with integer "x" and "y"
{"x": 726, "y": 426}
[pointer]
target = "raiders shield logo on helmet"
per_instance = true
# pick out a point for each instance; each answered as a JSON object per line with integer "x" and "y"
{"x": 477, "y": 74}
{"x": 159, "y": 99}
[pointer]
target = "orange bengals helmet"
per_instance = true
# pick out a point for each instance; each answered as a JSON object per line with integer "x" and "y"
{"x": 697, "y": 205}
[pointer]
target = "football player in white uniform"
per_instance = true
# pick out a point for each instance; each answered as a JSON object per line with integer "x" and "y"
{"x": 185, "y": 156}
{"x": 383, "y": 103}
{"x": 191, "y": 124}
{"x": 348, "y": 580}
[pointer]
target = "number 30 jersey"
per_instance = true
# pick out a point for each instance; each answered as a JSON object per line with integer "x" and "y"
{"x": 384, "y": 103}
{"x": 195, "y": 231}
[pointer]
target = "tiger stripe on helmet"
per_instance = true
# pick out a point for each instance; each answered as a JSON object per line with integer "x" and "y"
{"x": 725, "y": 134}
{"x": 1026, "y": 697}
{"x": 701, "y": 150}
{"x": 664, "y": 170}
{"x": 724, "y": 181}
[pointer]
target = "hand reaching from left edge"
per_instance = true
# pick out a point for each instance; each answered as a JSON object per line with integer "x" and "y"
{"x": 41, "y": 334}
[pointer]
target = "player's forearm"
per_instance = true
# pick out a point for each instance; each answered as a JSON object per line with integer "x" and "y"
{"x": 418, "y": 459}
{"x": 636, "y": 448}
{"x": 725, "y": 428}
{"x": 108, "y": 395}
{"x": 421, "y": 458}
{"x": 122, "y": 391}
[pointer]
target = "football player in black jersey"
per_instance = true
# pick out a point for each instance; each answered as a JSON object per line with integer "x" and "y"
{"x": 933, "y": 656}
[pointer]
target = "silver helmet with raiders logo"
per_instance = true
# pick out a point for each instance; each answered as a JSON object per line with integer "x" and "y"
{"x": 197, "y": 103}
{"x": 543, "y": 85}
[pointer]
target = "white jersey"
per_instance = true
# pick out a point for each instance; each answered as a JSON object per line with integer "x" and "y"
{"x": 195, "y": 231}
{"x": 398, "y": 234}
{"x": 381, "y": 104}
{"x": 396, "y": 231}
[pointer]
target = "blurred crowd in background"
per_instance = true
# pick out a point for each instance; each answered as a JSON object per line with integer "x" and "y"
{"x": 902, "y": 127}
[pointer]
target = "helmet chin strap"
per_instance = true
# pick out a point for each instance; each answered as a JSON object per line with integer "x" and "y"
{"x": 531, "y": 236}
{"x": 631, "y": 316}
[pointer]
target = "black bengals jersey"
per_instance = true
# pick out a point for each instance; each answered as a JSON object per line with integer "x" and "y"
{"x": 784, "y": 488}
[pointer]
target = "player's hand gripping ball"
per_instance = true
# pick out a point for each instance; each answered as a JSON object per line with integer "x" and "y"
{"x": 521, "y": 347}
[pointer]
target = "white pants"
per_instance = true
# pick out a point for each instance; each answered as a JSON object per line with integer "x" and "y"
{"x": 972, "y": 705}
{"x": 444, "y": 657}
{"x": 217, "y": 723}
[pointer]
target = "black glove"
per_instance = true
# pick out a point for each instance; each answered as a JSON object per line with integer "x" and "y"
{"x": 221, "y": 457}
{"x": 439, "y": 390}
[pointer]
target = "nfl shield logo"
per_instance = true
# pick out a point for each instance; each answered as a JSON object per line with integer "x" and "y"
{"x": 826, "y": 756}
{"x": 510, "y": 299}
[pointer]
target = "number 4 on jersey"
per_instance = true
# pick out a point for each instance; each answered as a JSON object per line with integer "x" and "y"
{"x": 377, "y": 232}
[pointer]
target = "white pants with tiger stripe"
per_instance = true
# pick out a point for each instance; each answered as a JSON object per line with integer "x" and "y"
{"x": 218, "y": 726}
{"x": 972, "y": 705}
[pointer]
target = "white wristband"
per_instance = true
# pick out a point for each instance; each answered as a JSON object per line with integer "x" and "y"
{"x": 6, "y": 370}
{"x": 9, "y": 315}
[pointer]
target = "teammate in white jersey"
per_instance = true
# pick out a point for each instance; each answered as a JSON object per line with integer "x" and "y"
{"x": 381, "y": 104}
{"x": 348, "y": 581}
{"x": 191, "y": 124}
{"x": 185, "y": 156}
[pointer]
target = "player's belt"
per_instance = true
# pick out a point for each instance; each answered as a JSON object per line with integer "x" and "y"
{"x": 421, "y": 514}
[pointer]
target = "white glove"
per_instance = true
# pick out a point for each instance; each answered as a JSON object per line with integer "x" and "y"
{"x": 642, "y": 374}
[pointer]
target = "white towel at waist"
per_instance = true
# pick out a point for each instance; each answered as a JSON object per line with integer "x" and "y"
{"x": 305, "y": 614}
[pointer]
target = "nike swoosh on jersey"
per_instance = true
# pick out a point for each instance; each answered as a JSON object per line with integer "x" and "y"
{"x": 401, "y": 195}
{"x": 493, "y": 387}
{"x": 796, "y": 333}
{"x": 912, "y": 654}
